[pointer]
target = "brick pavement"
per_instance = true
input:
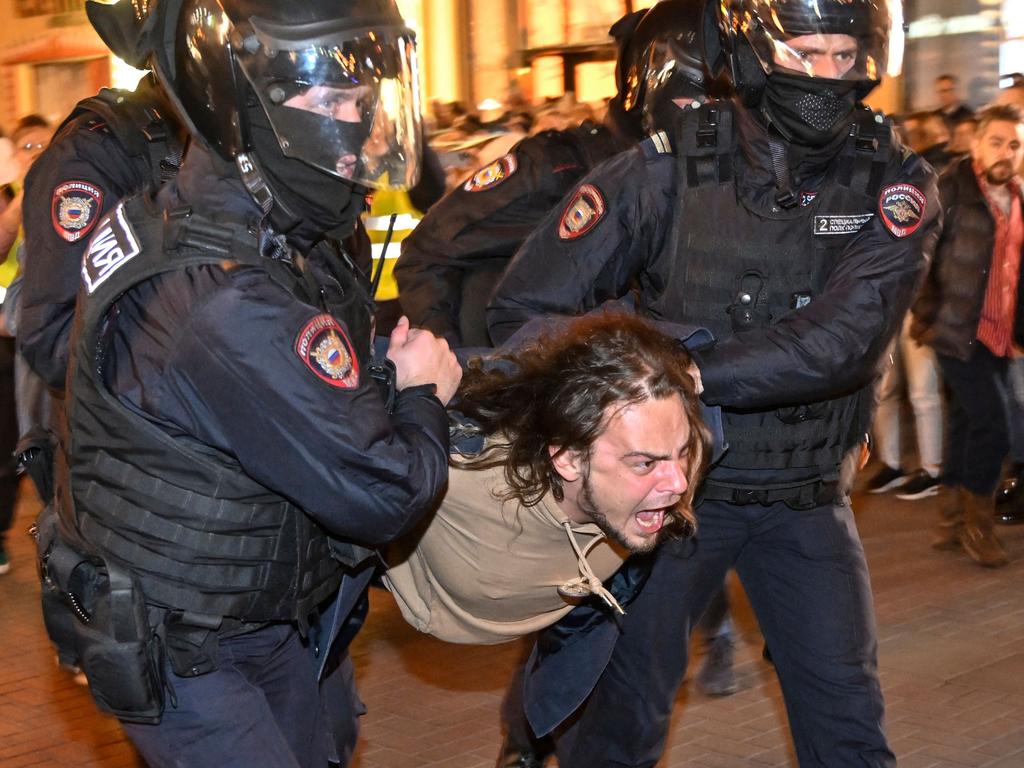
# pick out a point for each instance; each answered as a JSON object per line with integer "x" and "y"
{"x": 951, "y": 654}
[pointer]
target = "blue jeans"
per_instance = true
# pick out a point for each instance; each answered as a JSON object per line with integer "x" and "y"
{"x": 261, "y": 706}
{"x": 805, "y": 575}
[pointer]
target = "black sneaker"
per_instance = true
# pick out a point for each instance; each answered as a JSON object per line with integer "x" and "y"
{"x": 886, "y": 479}
{"x": 921, "y": 485}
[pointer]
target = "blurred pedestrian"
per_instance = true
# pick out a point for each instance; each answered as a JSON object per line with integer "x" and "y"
{"x": 970, "y": 312}
{"x": 947, "y": 91}
{"x": 963, "y": 136}
{"x": 20, "y": 390}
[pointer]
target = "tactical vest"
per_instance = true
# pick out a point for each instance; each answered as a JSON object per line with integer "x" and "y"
{"x": 198, "y": 534}
{"x": 731, "y": 268}
{"x": 137, "y": 121}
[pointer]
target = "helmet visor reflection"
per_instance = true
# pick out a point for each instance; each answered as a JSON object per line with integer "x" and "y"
{"x": 836, "y": 39}
{"x": 349, "y": 107}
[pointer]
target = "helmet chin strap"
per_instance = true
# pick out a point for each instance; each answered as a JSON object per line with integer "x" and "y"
{"x": 253, "y": 177}
{"x": 254, "y": 181}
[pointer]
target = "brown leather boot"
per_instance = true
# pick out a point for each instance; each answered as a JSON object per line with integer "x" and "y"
{"x": 979, "y": 537}
{"x": 951, "y": 523}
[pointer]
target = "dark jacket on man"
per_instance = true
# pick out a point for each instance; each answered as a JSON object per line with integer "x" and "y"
{"x": 947, "y": 312}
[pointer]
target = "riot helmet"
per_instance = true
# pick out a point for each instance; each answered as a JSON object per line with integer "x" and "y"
{"x": 617, "y": 118}
{"x": 805, "y": 63}
{"x": 331, "y": 84}
{"x": 124, "y": 26}
{"x": 664, "y": 63}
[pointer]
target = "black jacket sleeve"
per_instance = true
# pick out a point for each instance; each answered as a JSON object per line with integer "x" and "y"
{"x": 480, "y": 223}
{"x": 84, "y": 152}
{"x": 231, "y": 377}
{"x": 832, "y": 345}
{"x": 559, "y": 272}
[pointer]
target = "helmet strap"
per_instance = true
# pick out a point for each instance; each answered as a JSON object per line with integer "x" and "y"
{"x": 748, "y": 74}
{"x": 252, "y": 179}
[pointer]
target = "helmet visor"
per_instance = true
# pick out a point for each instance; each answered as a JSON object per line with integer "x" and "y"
{"x": 836, "y": 39}
{"x": 671, "y": 73}
{"x": 347, "y": 103}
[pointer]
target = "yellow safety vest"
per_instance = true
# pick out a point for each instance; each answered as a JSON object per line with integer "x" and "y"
{"x": 9, "y": 267}
{"x": 385, "y": 203}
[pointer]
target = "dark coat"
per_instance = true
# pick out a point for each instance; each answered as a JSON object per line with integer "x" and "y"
{"x": 947, "y": 312}
{"x": 456, "y": 255}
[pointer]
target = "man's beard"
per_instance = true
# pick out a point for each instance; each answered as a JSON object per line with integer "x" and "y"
{"x": 589, "y": 505}
{"x": 999, "y": 173}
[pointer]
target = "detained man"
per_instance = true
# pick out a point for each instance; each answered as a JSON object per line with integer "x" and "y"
{"x": 593, "y": 446}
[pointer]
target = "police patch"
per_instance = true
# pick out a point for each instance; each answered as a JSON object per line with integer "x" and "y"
{"x": 75, "y": 208}
{"x": 325, "y": 349}
{"x": 111, "y": 247}
{"x": 901, "y": 207}
{"x": 492, "y": 175}
{"x": 583, "y": 212}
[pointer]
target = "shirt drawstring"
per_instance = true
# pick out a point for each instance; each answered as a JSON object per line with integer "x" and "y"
{"x": 587, "y": 582}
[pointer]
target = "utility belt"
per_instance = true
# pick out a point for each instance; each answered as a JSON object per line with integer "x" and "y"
{"x": 97, "y": 617}
{"x": 802, "y": 495}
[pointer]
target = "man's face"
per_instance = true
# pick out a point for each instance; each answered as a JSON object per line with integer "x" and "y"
{"x": 346, "y": 105}
{"x": 999, "y": 149}
{"x": 1014, "y": 95}
{"x": 635, "y": 474}
{"x": 29, "y": 145}
{"x": 963, "y": 137}
{"x": 831, "y": 56}
{"x": 945, "y": 91}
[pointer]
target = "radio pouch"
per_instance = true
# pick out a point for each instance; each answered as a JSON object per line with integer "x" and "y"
{"x": 119, "y": 653}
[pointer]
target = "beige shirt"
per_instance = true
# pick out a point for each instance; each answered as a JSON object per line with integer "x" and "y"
{"x": 482, "y": 571}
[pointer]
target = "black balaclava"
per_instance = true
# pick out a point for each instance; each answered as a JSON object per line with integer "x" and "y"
{"x": 808, "y": 111}
{"x": 308, "y": 203}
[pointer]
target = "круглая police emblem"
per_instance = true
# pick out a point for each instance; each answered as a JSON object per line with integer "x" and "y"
{"x": 75, "y": 208}
{"x": 491, "y": 175}
{"x": 583, "y": 212}
{"x": 901, "y": 207}
{"x": 325, "y": 349}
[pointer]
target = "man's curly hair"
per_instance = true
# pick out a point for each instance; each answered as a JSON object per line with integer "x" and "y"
{"x": 562, "y": 388}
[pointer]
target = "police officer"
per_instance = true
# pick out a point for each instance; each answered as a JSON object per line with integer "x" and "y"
{"x": 224, "y": 411}
{"x": 793, "y": 226}
{"x": 455, "y": 256}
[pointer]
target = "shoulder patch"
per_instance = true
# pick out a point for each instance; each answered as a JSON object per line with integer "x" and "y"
{"x": 656, "y": 144}
{"x": 492, "y": 175}
{"x": 113, "y": 245}
{"x": 75, "y": 208}
{"x": 325, "y": 349}
{"x": 901, "y": 207}
{"x": 586, "y": 208}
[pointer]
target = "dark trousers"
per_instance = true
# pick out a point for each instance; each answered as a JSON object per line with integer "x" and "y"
{"x": 806, "y": 577}
{"x": 8, "y": 438}
{"x": 978, "y": 419}
{"x": 261, "y": 706}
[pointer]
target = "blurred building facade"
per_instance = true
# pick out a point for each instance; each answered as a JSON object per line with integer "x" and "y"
{"x": 472, "y": 50}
